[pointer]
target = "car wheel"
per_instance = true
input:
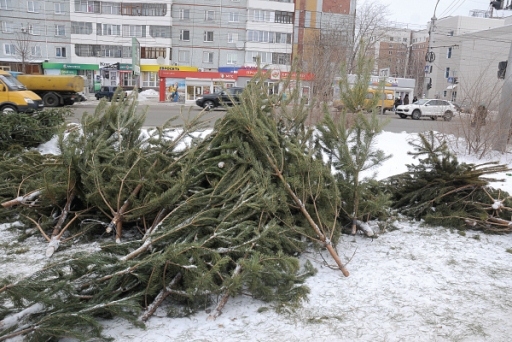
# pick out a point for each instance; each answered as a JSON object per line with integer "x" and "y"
{"x": 416, "y": 114}
{"x": 208, "y": 105}
{"x": 448, "y": 115}
{"x": 8, "y": 109}
{"x": 402, "y": 116}
{"x": 433, "y": 118}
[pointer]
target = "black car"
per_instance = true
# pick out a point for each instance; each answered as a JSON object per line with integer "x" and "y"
{"x": 108, "y": 92}
{"x": 226, "y": 97}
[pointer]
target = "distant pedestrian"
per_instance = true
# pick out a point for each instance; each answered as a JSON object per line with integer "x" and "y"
{"x": 414, "y": 99}
{"x": 406, "y": 99}
{"x": 398, "y": 102}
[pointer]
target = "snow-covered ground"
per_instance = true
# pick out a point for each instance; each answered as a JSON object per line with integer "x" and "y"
{"x": 411, "y": 283}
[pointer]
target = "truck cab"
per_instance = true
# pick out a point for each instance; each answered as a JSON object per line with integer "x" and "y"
{"x": 15, "y": 98}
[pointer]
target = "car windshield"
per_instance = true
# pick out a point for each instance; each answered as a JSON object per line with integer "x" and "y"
{"x": 12, "y": 83}
{"x": 421, "y": 102}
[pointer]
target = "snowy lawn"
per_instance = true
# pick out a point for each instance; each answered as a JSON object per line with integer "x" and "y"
{"x": 411, "y": 283}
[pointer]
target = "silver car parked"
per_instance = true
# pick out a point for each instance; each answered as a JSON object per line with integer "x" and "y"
{"x": 432, "y": 108}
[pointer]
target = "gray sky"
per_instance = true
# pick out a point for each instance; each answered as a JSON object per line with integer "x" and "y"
{"x": 417, "y": 13}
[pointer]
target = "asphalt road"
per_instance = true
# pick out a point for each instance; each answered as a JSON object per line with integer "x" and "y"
{"x": 158, "y": 113}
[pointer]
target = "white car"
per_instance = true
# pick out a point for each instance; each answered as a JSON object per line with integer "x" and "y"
{"x": 431, "y": 108}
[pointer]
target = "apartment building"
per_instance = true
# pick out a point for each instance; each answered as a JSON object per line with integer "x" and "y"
{"x": 467, "y": 51}
{"x": 97, "y": 39}
{"x": 392, "y": 49}
{"x": 33, "y": 32}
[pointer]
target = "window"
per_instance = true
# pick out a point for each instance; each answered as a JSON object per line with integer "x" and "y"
{"x": 132, "y": 31}
{"x": 6, "y": 5}
{"x": 58, "y": 8}
{"x": 234, "y": 17}
{"x": 143, "y": 9}
{"x": 60, "y": 30}
{"x": 254, "y": 56}
{"x": 114, "y": 51}
{"x": 284, "y": 17}
{"x": 7, "y": 27}
{"x": 110, "y": 8}
{"x": 281, "y": 58}
{"x": 35, "y": 51}
{"x": 9, "y": 49}
{"x": 184, "y": 14}
{"x": 283, "y": 38}
{"x": 209, "y": 15}
{"x": 160, "y": 31}
{"x": 207, "y": 57}
{"x": 231, "y": 58}
{"x": 449, "y": 53}
{"x": 87, "y": 6}
{"x": 33, "y": 6}
{"x": 34, "y": 30}
{"x": 208, "y": 36}
{"x": 149, "y": 79}
{"x": 81, "y": 27}
{"x": 60, "y": 52}
{"x": 261, "y": 15}
{"x": 447, "y": 73}
{"x": 232, "y": 37}
{"x": 183, "y": 56}
{"x": 152, "y": 52}
{"x": 185, "y": 35}
{"x": 110, "y": 30}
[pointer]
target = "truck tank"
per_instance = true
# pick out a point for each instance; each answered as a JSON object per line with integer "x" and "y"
{"x": 55, "y": 90}
{"x": 68, "y": 83}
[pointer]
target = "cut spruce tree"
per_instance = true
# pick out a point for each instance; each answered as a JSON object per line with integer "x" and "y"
{"x": 442, "y": 191}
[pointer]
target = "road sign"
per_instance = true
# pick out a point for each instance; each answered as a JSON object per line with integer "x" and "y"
{"x": 430, "y": 57}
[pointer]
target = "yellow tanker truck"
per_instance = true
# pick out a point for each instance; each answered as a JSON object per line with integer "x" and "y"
{"x": 15, "y": 98}
{"x": 55, "y": 90}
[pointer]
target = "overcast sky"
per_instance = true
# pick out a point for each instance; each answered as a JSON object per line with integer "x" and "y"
{"x": 417, "y": 13}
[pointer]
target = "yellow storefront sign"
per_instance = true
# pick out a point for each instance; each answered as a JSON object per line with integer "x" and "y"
{"x": 167, "y": 67}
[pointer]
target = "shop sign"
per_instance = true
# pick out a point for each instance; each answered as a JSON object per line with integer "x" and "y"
{"x": 70, "y": 66}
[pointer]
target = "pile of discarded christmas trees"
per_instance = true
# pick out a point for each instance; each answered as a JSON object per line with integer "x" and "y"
{"x": 190, "y": 216}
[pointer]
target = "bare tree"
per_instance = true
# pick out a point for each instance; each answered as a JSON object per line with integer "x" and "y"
{"x": 23, "y": 46}
{"x": 325, "y": 53}
{"x": 478, "y": 98}
{"x": 370, "y": 24}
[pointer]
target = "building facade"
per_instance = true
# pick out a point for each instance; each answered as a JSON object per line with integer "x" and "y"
{"x": 96, "y": 38}
{"x": 467, "y": 51}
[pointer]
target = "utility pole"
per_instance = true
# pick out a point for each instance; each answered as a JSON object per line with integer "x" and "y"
{"x": 505, "y": 114}
{"x": 429, "y": 57}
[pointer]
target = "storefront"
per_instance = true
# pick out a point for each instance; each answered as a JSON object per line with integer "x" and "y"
{"x": 117, "y": 74}
{"x": 187, "y": 86}
{"x": 149, "y": 74}
{"x": 274, "y": 82}
{"x": 89, "y": 71}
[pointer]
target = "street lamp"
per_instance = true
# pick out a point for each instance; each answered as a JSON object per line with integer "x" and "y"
{"x": 429, "y": 58}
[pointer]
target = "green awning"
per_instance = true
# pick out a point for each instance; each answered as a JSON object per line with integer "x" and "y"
{"x": 70, "y": 66}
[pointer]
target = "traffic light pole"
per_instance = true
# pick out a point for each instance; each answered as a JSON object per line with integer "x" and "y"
{"x": 505, "y": 108}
